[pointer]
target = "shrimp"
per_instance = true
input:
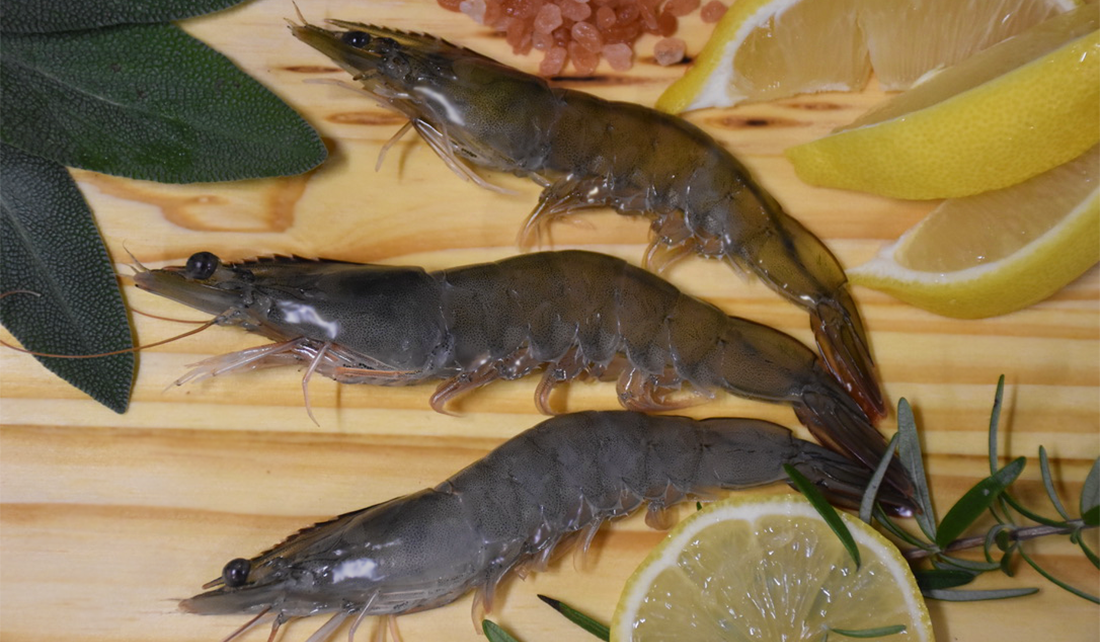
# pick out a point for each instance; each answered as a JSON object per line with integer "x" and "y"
{"x": 589, "y": 152}
{"x": 544, "y": 490}
{"x": 576, "y": 313}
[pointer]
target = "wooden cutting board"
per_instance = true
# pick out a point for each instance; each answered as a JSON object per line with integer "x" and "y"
{"x": 107, "y": 520}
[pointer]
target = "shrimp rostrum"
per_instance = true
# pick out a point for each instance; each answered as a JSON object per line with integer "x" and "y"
{"x": 587, "y": 152}
{"x": 540, "y": 492}
{"x": 574, "y": 313}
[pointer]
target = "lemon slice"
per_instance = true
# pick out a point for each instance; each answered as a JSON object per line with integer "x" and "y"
{"x": 767, "y": 568}
{"x": 1009, "y": 113}
{"x": 768, "y": 49}
{"x": 996, "y": 252}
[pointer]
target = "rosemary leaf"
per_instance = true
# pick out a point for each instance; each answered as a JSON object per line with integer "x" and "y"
{"x": 1048, "y": 483}
{"x": 493, "y": 632}
{"x": 951, "y": 595}
{"x": 877, "y": 632}
{"x": 994, "y": 420}
{"x": 828, "y": 513}
{"x": 935, "y": 579}
{"x": 582, "y": 620}
{"x": 868, "y": 501}
{"x": 909, "y": 452}
{"x": 975, "y": 502}
{"x": 1090, "y": 496}
{"x": 1072, "y": 589}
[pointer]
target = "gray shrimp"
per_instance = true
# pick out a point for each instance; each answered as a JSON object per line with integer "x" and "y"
{"x": 541, "y": 492}
{"x": 573, "y": 312}
{"x": 589, "y": 152}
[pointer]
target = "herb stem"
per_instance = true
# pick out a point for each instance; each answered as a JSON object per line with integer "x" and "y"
{"x": 1015, "y": 534}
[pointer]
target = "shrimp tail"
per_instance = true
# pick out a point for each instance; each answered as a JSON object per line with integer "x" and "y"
{"x": 844, "y": 481}
{"x": 843, "y": 344}
{"x": 838, "y": 424}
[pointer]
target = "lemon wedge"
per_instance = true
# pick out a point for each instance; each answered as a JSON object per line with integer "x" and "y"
{"x": 996, "y": 252}
{"x": 768, "y": 49}
{"x": 1011, "y": 112}
{"x": 767, "y": 568}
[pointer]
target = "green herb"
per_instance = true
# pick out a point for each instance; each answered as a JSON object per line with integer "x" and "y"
{"x": 991, "y": 494}
{"x": 586, "y": 622}
{"x": 828, "y": 513}
{"x": 493, "y": 632}
{"x": 111, "y": 87}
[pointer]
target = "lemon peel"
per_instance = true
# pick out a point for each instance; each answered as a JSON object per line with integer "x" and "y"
{"x": 974, "y": 127}
{"x": 768, "y": 49}
{"x": 996, "y": 252}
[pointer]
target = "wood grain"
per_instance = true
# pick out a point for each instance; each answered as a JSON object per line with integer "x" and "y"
{"x": 107, "y": 520}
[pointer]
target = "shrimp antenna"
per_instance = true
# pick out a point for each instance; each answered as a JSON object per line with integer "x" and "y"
{"x": 205, "y": 325}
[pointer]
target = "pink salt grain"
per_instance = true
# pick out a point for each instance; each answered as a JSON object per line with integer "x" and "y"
{"x": 450, "y": 5}
{"x": 620, "y": 56}
{"x": 713, "y": 11}
{"x": 680, "y": 8}
{"x": 584, "y": 60}
{"x": 548, "y": 18}
{"x": 553, "y": 62}
{"x": 605, "y": 17}
{"x": 669, "y": 51}
{"x": 587, "y": 36}
{"x": 576, "y": 11}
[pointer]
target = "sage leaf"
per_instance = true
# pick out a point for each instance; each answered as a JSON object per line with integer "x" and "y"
{"x": 975, "y": 502}
{"x": 583, "y": 620}
{"x": 825, "y": 509}
{"x": 1090, "y": 495}
{"x": 51, "y": 248}
{"x": 43, "y": 16}
{"x": 148, "y": 102}
{"x": 493, "y": 632}
{"x": 930, "y": 580}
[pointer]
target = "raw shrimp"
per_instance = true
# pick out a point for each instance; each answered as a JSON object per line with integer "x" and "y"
{"x": 587, "y": 152}
{"x": 573, "y": 312}
{"x": 540, "y": 492}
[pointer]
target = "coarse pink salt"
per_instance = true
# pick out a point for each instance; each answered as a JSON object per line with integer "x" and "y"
{"x": 548, "y": 18}
{"x": 619, "y": 55}
{"x": 680, "y": 8}
{"x": 576, "y": 11}
{"x": 713, "y": 11}
{"x": 587, "y": 35}
{"x": 580, "y": 31}
{"x": 669, "y": 51}
{"x": 553, "y": 62}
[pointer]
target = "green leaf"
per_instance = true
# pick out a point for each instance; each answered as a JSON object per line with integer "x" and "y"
{"x": 828, "y": 513}
{"x": 994, "y": 420}
{"x": 1088, "y": 552}
{"x": 899, "y": 532}
{"x": 1048, "y": 483}
{"x": 1090, "y": 495}
{"x": 947, "y": 561}
{"x": 975, "y": 502}
{"x": 42, "y": 16}
{"x": 909, "y": 452}
{"x": 51, "y": 247}
{"x": 867, "y": 503}
{"x": 1076, "y": 591}
{"x": 148, "y": 102}
{"x": 493, "y": 632}
{"x": 877, "y": 632}
{"x": 582, "y": 620}
{"x": 978, "y": 596}
{"x": 929, "y": 580}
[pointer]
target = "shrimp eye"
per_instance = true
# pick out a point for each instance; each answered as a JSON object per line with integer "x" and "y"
{"x": 235, "y": 572}
{"x": 357, "y": 39}
{"x": 201, "y": 265}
